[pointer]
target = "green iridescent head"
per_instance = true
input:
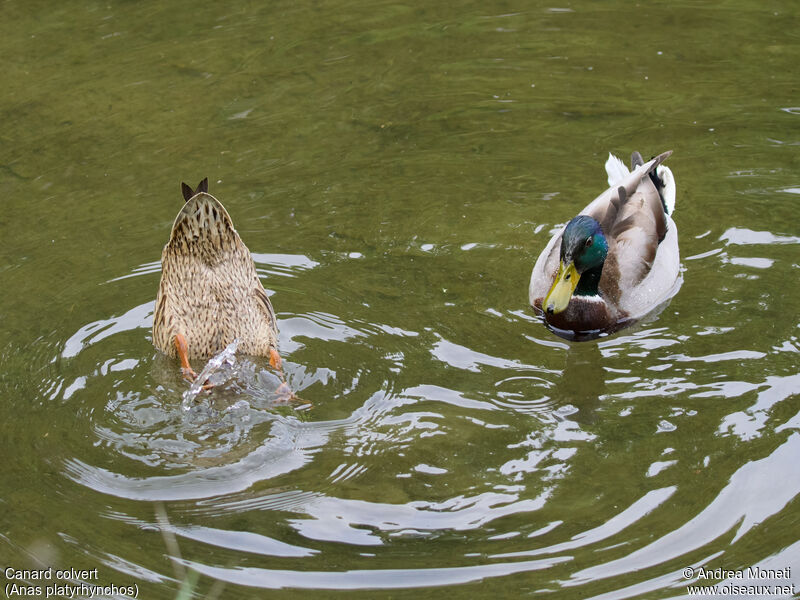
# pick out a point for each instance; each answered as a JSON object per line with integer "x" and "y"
{"x": 583, "y": 251}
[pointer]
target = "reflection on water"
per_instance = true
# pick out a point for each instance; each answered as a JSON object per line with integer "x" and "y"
{"x": 397, "y": 170}
{"x": 752, "y": 496}
{"x": 409, "y": 461}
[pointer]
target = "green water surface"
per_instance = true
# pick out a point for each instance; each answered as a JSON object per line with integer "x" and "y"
{"x": 395, "y": 169}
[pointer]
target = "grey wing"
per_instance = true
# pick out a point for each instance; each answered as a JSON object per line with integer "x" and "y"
{"x": 636, "y": 233}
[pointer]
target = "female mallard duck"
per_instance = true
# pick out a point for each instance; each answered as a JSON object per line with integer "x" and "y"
{"x": 617, "y": 260}
{"x": 209, "y": 293}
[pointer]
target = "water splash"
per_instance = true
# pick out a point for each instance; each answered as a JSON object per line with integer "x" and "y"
{"x": 218, "y": 370}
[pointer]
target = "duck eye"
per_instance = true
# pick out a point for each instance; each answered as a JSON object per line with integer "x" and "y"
{"x": 589, "y": 242}
{"x": 567, "y": 276}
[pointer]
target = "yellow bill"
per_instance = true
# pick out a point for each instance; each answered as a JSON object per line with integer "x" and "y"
{"x": 565, "y": 283}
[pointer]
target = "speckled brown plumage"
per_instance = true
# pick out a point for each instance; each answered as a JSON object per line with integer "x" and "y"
{"x": 209, "y": 291}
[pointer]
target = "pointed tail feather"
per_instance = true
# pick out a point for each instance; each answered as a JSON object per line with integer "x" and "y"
{"x": 616, "y": 170}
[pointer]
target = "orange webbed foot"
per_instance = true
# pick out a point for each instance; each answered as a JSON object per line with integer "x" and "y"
{"x": 188, "y": 374}
{"x": 275, "y": 359}
{"x": 183, "y": 354}
{"x": 283, "y": 391}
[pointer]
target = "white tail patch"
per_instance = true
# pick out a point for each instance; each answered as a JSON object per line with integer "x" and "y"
{"x": 668, "y": 193}
{"x": 616, "y": 169}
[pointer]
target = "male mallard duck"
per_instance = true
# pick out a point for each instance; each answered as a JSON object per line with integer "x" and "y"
{"x": 210, "y": 293}
{"x": 617, "y": 260}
